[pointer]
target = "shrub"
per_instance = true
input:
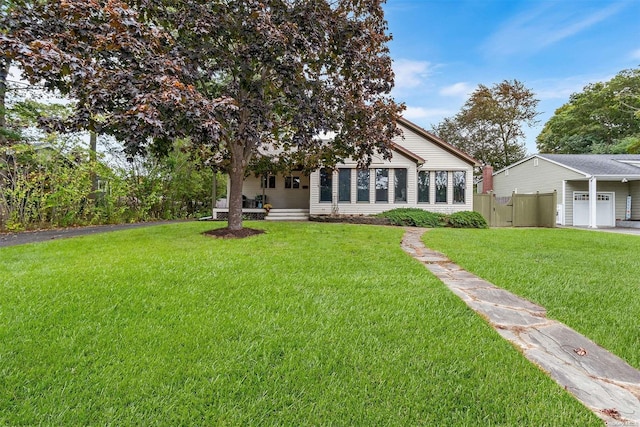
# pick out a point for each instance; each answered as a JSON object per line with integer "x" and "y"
{"x": 467, "y": 219}
{"x": 414, "y": 217}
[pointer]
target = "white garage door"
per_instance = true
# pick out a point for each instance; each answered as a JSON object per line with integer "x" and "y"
{"x": 605, "y": 211}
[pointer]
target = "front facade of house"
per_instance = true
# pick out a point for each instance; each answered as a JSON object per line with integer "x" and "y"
{"x": 424, "y": 172}
{"x": 594, "y": 190}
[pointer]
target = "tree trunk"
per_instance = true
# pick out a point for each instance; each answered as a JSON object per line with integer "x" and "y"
{"x": 93, "y": 158}
{"x": 213, "y": 192}
{"x": 4, "y": 70}
{"x": 236, "y": 178}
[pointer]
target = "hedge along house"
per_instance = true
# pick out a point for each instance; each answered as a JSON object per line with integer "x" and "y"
{"x": 424, "y": 172}
{"x": 594, "y": 190}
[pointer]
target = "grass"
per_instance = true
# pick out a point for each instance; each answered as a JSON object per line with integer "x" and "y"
{"x": 585, "y": 279}
{"x": 308, "y": 324}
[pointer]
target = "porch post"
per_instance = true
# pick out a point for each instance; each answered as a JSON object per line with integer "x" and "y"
{"x": 593, "y": 184}
{"x": 564, "y": 202}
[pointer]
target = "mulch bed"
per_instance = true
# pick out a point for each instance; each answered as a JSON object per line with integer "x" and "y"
{"x": 225, "y": 233}
{"x": 351, "y": 219}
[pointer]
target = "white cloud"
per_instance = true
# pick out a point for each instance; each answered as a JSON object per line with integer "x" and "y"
{"x": 563, "y": 88}
{"x": 460, "y": 89}
{"x": 421, "y": 113}
{"x": 410, "y": 74}
{"x": 546, "y": 24}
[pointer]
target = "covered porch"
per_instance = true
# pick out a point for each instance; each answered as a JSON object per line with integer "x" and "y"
{"x": 280, "y": 196}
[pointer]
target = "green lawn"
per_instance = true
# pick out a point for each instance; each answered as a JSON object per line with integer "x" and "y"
{"x": 585, "y": 279}
{"x": 308, "y": 324}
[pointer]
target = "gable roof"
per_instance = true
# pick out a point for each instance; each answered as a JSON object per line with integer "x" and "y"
{"x": 408, "y": 153}
{"x": 437, "y": 141}
{"x": 597, "y": 164}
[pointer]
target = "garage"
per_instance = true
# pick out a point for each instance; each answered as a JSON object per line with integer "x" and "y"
{"x": 605, "y": 209}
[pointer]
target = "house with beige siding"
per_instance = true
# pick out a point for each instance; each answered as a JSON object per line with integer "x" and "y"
{"x": 424, "y": 172}
{"x": 594, "y": 190}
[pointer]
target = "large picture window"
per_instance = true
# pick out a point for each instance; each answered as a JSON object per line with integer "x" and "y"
{"x": 400, "y": 185}
{"x": 441, "y": 186}
{"x": 382, "y": 185}
{"x": 363, "y": 185}
{"x": 423, "y": 187}
{"x": 344, "y": 185}
{"x": 326, "y": 184}
{"x": 459, "y": 185}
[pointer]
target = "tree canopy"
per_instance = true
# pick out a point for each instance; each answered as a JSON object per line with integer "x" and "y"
{"x": 603, "y": 118}
{"x": 490, "y": 124}
{"x": 233, "y": 76}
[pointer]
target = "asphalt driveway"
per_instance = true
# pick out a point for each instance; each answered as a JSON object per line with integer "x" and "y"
{"x": 21, "y": 238}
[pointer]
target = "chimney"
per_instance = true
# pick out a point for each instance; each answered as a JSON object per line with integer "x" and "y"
{"x": 487, "y": 179}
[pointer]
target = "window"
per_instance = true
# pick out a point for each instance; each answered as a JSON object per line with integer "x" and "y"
{"x": 268, "y": 181}
{"x": 423, "y": 187}
{"x": 363, "y": 185}
{"x": 344, "y": 185}
{"x": 441, "y": 186}
{"x": 459, "y": 185}
{"x": 291, "y": 182}
{"x": 326, "y": 184}
{"x": 382, "y": 185}
{"x": 102, "y": 185}
{"x": 400, "y": 185}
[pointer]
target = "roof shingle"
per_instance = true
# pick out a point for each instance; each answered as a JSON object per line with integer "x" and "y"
{"x": 597, "y": 164}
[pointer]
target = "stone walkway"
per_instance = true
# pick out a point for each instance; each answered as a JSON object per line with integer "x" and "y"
{"x": 600, "y": 380}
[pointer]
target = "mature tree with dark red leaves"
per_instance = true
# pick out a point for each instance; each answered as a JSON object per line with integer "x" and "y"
{"x": 235, "y": 76}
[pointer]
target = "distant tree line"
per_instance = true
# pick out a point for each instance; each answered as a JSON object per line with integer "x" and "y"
{"x": 603, "y": 118}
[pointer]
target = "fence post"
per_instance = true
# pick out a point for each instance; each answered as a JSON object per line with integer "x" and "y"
{"x": 492, "y": 208}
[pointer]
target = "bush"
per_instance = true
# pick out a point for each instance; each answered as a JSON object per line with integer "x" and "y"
{"x": 467, "y": 219}
{"x": 414, "y": 217}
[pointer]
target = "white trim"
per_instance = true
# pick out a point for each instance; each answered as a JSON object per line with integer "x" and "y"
{"x": 538, "y": 156}
{"x": 593, "y": 199}
{"x": 586, "y": 175}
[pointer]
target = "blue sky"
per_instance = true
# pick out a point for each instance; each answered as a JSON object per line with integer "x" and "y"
{"x": 442, "y": 50}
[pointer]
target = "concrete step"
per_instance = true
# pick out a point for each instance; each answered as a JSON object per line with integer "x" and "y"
{"x": 286, "y": 218}
{"x": 288, "y": 215}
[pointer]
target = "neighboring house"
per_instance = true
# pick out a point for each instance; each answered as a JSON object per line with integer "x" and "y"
{"x": 594, "y": 190}
{"x": 424, "y": 172}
